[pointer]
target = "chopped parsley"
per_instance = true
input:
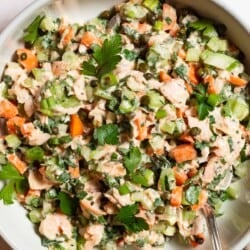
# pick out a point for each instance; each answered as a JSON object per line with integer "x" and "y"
{"x": 107, "y": 134}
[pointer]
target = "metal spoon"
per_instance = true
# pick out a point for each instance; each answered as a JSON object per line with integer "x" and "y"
{"x": 212, "y": 227}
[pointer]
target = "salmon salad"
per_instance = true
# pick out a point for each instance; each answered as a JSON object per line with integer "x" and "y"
{"x": 117, "y": 132}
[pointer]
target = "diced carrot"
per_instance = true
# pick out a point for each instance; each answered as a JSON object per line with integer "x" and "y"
{"x": 32, "y": 192}
{"x": 7, "y": 109}
{"x": 74, "y": 172}
{"x": 27, "y": 59}
{"x": 68, "y": 34}
{"x": 182, "y": 54}
{"x": 89, "y": 38}
{"x": 76, "y": 125}
{"x": 142, "y": 130}
{"x": 184, "y": 152}
{"x": 20, "y": 165}
{"x": 192, "y": 172}
{"x": 186, "y": 138}
{"x": 180, "y": 176}
{"x": 159, "y": 151}
{"x": 195, "y": 243}
{"x": 189, "y": 88}
{"x": 203, "y": 196}
{"x": 176, "y": 197}
{"x": 192, "y": 75}
{"x": 211, "y": 84}
{"x": 14, "y": 123}
{"x": 164, "y": 77}
{"x": 237, "y": 81}
{"x": 179, "y": 113}
{"x": 27, "y": 128}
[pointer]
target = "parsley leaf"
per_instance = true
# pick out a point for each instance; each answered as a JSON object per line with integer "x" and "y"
{"x": 105, "y": 58}
{"x": 68, "y": 204}
{"x": 126, "y": 217}
{"x": 181, "y": 71}
{"x": 107, "y": 134}
{"x": 205, "y": 26}
{"x": 31, "y": 33}
{"x": 9, "y": 172}
{"x": 14, "y": 179}
{"x": 192, "y": 194}
{"x": 132, "y": 159}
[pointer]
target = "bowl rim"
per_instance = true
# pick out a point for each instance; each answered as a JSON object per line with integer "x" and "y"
{"x": 34, "y": 6}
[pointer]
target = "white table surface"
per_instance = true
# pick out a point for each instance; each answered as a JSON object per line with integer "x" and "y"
{"x": 10, "y": 8}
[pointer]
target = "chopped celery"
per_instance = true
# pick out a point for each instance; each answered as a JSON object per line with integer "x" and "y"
{"x": 218, "y": 60}
{"x": 171, "y": 215}
{"x": 215, "y": 44}
{"x": 158, "y": 25}
{"x": 70, "y": 102}
{"x": 164, "y": 228}
{"x": 170, "y": 231}
{"x": 108, "y": 80}
{"x": 213, "y": 99}
{"x": 167, "y": 179}
{"x": 179, "y": 125}
{"x": 3, "y": 159}
{"x": 144, "y": 178}
{"x": 234, "y": 190}
{"x": 12, "y": 141}
{"x": 156, "y": 100}
{"x": 151, "y": 4}
{"x": 238, "y": 107}
{"x": 34, "y": 154}
{"x": 168, "y": 127}
{"x": 205, "y": 26}
{"x": 242, "y": 169}
{"x": 124, "y": 189}
{"x": 48, "y": 24}
{"x": 161, "y": 113}
{"x": 134, "y": 11}
{"x": 188, "y": 215}
{"x": 3, "y": 90}
{"x": 103, "y": 94}
{"x": 35, "y": 216}
{"x": 193, "y": 55}
{"x": 38, "y": 74}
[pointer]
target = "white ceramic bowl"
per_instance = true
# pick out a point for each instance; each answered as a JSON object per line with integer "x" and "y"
{"x": 234, "y": 226}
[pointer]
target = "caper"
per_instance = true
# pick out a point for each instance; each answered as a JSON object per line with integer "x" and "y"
{"x": 117, "y": 93}
{"x": 151, "y": 18}
{"x": 145, "y": 100}
{"x": 195, "y": 131}
{"x": 198, "y": 239}
{"x": 94, "y": 83}
{"x": 166, "y": 196}
{"x": 143, "y": 67}
{"x": 105, "y": 14}
{"x": 160, "y": 210}
{"x": 148, "y": 76}
{"x": 23, "y": 56}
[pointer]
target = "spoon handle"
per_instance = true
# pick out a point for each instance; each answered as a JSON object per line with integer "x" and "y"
{"x": 212, "y": 227}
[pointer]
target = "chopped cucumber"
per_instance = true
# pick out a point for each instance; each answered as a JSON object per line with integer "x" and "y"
{"x": 171, "y": 215}
{"x": 234, "y": 190}
{"x": 193, "y": 55}
{"x": 242, "y": 169}
{"x": 71, "y": 59}
{"x": 12, "y": 141}
{"x": 238, "y": 107}
{"x": 151, "y": 4}
{"x": 219, "y": 60}
{"x": 168, "y": 127}
{"x": 156, "y": 100}
{"x": 48, "y": 24}
{"x": 167, "y": 180}
{"x": 35, "y": 216}
{"x": 215, "y": 44}
{"x": 144, "y": 178}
